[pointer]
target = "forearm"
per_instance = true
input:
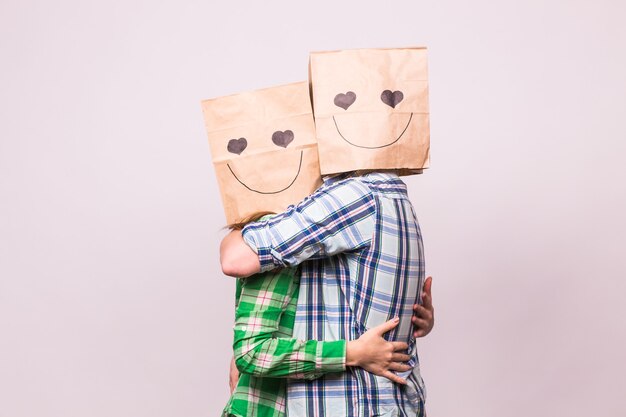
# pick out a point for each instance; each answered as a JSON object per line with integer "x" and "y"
{"x": 237, "y": 259}
{"x": 292, "y": 358}
{"x": 263, "y": 344}
{"x": 334, "y": 220}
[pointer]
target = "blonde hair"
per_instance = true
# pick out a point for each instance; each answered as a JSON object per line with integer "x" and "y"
{"x": 248, "y": 219}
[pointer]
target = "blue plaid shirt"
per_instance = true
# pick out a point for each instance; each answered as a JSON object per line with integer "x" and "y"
{"x": 360, "y": 249}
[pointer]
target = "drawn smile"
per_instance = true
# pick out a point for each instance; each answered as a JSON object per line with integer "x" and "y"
{"x": 373, "y": 147}
{"x": 269, "y": 192}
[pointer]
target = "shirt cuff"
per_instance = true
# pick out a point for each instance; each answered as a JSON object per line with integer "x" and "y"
{"x": 258, "y": 240}
{"x": 331, "y": 356}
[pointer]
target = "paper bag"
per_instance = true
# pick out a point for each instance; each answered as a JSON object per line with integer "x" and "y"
{"x": 263, "y": 149}
{"x": 371, "y": 109}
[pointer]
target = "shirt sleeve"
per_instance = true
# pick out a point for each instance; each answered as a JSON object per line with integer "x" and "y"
{"x": 334, "y": 219}
{"x": 263, "y": 326}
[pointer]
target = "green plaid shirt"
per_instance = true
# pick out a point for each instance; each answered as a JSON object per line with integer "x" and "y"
{"x": 264, "y": 351}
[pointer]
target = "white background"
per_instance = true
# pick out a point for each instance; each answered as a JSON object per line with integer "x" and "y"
{"x": 111, "y": 298}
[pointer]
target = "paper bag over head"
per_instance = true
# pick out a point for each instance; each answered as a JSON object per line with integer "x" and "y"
{"x": 263, "y": 148}
{"x": 371, "y": 109}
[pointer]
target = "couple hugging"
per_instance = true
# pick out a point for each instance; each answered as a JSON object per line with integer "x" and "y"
{"x": 325, "y": 243}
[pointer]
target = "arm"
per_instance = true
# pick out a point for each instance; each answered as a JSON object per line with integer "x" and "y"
{"x": 267, "y": 310}
{"x": 263, "y": 324}
{"x": 335, "y": 219}
{"x": 236, "y": 257}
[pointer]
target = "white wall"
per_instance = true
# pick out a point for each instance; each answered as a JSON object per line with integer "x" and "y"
{"x": 111, "y": 299}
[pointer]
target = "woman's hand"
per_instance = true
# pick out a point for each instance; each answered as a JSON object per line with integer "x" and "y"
{"x": 424, "y": 315}
{"x": 378, "y": 356}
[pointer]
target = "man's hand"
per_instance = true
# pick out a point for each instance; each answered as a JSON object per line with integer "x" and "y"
{"x": 233, "y": 376}
{"x": 378, "y": 356}
{"x": 237, "y": 258}
{"x": 424, "y": 315}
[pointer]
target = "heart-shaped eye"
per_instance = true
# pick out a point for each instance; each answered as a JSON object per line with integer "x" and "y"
{"x": 391, "y": 98}
{"x": 282, "y": 138}
{"x": 345, "y": 100}
{"x": 237, "y": 145}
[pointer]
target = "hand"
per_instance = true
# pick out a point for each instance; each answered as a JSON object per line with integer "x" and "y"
{"x": 378, "y": 356}
{"x": 233, "y": 376}
{"x": 424, "y": 315}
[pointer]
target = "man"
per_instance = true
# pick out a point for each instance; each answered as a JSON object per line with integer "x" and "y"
{"x": 359, "y": 248}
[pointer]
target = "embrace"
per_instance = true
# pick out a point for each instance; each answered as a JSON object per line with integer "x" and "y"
{"x": 324, "y": 241}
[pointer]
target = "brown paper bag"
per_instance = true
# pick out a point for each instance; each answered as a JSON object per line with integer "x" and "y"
{"x": 371, "y": 109}
{"x": 263, "y": 148}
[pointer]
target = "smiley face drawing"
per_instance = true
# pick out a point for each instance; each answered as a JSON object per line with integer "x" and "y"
{"x": 388, "y": 97}
{"x": 279, "y": 138}
{"x": 371, "y": 107}
{"x": 263, "y": 149}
